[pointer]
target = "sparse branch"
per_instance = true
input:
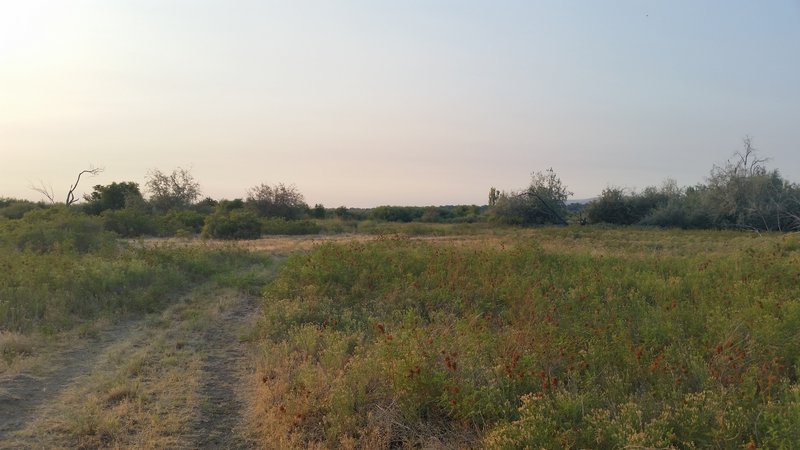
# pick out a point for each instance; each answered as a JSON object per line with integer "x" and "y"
{"x": 71, "y": 194}
{"x": 47, "y": 191}
{"x": 748, "y": 162}
{"x": 547, "y": 206}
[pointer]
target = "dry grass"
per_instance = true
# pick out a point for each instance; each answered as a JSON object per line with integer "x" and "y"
{"x": 143, "y": 392}
{"x": 355, "y": 337}
{"x": 275, "y": 245}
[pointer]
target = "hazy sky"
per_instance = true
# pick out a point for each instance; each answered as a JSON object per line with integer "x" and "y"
{"x": 362, "y": 103}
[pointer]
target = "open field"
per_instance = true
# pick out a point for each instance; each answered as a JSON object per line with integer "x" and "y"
{"x": 573, "y": 337}
{"x": 553, "y": 338}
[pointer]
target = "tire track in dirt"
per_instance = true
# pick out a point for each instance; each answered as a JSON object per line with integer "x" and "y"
{"x": 225, "y": 367}
{"x": 22, "y": 394}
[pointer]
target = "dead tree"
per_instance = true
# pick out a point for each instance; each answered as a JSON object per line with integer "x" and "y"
{"x": 47, "y": 191}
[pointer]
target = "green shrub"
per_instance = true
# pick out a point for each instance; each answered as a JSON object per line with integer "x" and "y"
{"x": 234, "y": 224}
{"x": 15, "y": 209}
{"x": 56, "y": 228}
{"x": 130, "y": 222}
{"x": 182, "y": 221}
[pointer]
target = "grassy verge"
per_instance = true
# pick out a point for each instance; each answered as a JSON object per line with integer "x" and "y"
{"x": 60, "y": 273}
{"x": 580, "y": 338}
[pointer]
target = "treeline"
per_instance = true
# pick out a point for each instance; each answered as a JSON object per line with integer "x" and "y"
{"x": 739, "y": 194}
{"x": 742, "y": 193}
{"x": 174, "y": 207}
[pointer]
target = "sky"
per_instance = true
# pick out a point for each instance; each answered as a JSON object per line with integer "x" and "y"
{"x": 366, "y": 103}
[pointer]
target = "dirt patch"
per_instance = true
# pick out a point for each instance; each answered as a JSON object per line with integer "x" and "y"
{"x": 224, "y": 370}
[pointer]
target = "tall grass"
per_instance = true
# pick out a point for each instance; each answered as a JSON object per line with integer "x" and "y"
{"x": 59, "y": 269}
{"x": 566, "y": 338}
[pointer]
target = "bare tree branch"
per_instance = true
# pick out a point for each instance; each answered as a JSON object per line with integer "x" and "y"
{"x": 71, "y": 194}
{"x": 45, "y": 190}
{"x": 748, "y": 162}
{"x": 547, "y": 206}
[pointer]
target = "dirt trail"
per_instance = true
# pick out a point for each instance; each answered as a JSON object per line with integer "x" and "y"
{"x": 170, "y": 380}
{"x": 22, "y": 394}
{"x": 224, "y": 372}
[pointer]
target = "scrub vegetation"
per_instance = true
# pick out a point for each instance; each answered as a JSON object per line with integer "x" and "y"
{"x": 555, "y": 338}
{"x": 404, "y": 327}
{"x": 407, "y": 335}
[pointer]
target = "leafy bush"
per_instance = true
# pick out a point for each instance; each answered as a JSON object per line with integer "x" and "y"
{"x": 15, "y": 209}
{"x": 55, "y": 228}
{"x": 186, "y": 221}
{"x": 279, "y": 201}
{"x": 113, "y": 196}
{"x": 130, "y": 222}
{"x": 232, "y": 224}
{"x": 543, "y": 202}
{"x": 612, "y": 207}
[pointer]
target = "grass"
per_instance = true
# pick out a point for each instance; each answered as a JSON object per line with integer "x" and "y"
{"x": 143, "y": 390}
{"x": 140, "y": 393}
{"x": 421, "y": 335}
{"x": 61, "y": 274}
{"x": 55, "y": 291}
{"x": 552, "y": 338}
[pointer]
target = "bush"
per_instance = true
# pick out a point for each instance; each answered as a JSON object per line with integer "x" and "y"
{"x": 183, "y": 221}
{"x": 612, "y": 207}
{"x": 234, "y": 224}
{"x": 15, "y": 209}
{"x": 56, "y": 228}
{"x": 279, "y": 200}
{"x": 129, "y": 222}
{"x": 543, "y": 202}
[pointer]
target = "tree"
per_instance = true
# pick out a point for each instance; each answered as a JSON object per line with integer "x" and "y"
{"x": 543, "y": 202}
{"x": 342, "y": 213}
{"x": 112, "y": 196}
{"x": 230, "y": 222}
{"x": 176, "y": 190}
{"x": 613, "y": 206}
{"x": 47, "y": 191}
{"x": 279, "y": 200}
{"x": 744, "y": 194}
{"x": 319, "y": 211}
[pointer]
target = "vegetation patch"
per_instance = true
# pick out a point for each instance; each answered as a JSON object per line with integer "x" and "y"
{"x": 552, "y": 339}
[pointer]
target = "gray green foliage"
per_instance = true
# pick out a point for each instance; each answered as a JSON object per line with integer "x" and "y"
{"x": 278, "y": 200}
{"x": 11, "y": 208}
{"x": 741, "y": 194}
{"x": 176, "y": 190}
{"x": 543, "y": 202}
